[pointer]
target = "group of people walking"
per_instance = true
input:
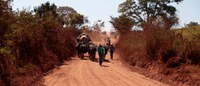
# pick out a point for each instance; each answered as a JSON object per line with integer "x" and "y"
{"x": 83, "y": 40}
{"x": 102, "y": 51}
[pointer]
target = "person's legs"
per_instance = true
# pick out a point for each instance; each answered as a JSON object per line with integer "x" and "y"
{"x": 100, "y": 59}
{"x": 111, "y": 55}
{"x": 104, "y": 57}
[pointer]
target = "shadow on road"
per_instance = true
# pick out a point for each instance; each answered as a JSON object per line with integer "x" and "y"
{"x": 106, "y": 60}
{"x": 104, "y": 66}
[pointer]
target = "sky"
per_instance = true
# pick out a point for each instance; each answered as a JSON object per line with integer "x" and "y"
{"x": 188, "y": 10}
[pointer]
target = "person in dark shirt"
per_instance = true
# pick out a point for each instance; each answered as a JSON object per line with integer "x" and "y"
{"x": 101, "y": 52}
{"x": 112, "y": 50}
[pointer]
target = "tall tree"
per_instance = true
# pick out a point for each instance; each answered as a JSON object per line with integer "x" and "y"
{"x": 46, "y": 10}
{"x": 98, "y": 25}
{"x": 5, "y": 6}
{"x": 149, "y": 11}
{"x": 5, "y": 18}
{"x": 66, "y": 15}
{"x": 192, "y": 24}
{"x": 65, "y": 11}
{"x": 70, "y": 17}
{"x": 122, "y": 23}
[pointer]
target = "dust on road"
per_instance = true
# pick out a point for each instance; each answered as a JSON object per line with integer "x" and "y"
{"x": 87, "y": 73}
{"x": 79, "y": 72}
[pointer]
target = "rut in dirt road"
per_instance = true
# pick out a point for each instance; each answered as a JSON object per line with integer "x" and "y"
{"x": 87, "y": 73}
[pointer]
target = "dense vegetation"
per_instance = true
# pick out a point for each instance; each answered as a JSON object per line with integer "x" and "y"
{"x": 166, "y": 54}
{"x": 33, "y": 43}
{"x": 171, "y": 56}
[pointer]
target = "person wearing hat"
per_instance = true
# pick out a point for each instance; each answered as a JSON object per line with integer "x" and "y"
{"x": 83, "y": 38}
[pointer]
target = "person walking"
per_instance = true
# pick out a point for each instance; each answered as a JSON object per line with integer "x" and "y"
{"x": 106, "y": 52}
{"x": 101, "y": 52}
{"x": 112, "y": 50}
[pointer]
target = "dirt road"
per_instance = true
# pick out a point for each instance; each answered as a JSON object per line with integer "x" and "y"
{"x": 87, "y": 73}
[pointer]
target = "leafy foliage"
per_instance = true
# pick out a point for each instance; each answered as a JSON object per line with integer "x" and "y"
{"x": 149, "y": 11}
{"x": 70, "y": 17}
{"x": 192, "y": 24}
{"x": 122, "y": 23}
{"x": 46, "y": 10}
{"x": 67, "y": 16}
{"x": 5, "y": 6}
{"x": 76, "y": 20}
{"x": 31, "y": 44}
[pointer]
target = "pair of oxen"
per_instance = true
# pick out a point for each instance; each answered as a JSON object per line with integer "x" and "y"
{"x": 83, "y": 48}
{"x": 90, "y": 48}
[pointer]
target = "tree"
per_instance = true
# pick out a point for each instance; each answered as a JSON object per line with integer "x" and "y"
{"x": 98, "y": 25}
{"x": 65, "y": 11}
{"x": 122, "y": 23}
{"x": 149, "y": 11}
{"x": 71, "y": 17}
{"x": 5, "y": 18}
{"x": 5, "y": 6}
{"x": 192, "y": 24}
{"x": 46, "y": 10}
{"x": 66, "y": 15}
{"x": 76, "y": 20}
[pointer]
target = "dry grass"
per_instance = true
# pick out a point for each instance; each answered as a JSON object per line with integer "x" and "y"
{"x": 30, "y": 47}
{"x": 132, "y": 48}
{"x": 165, "y": 54}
